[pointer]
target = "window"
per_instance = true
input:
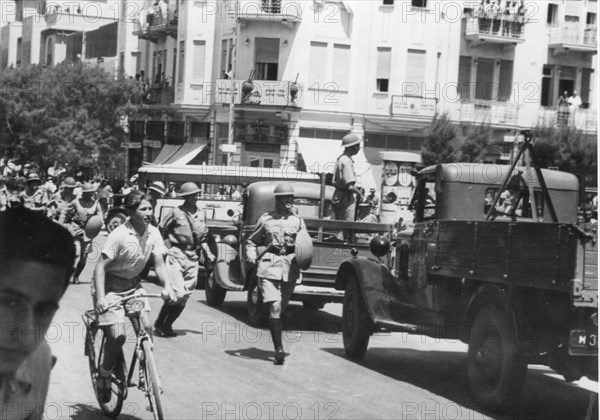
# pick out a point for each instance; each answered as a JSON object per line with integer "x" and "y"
{"x": 271, "y": 6}
{"x": 199, "y": 61}
{"x": 590, "y": 19}
{"x": 388, "y": 2}
{"x": 174, "y": 73}
{"x": 155, "y": 130}
{"x": 176, "y": 132}
{"x": 513, "y": 203}
{"x": 552, "y": 14}
{"x": 571, "y": 18}
{"x": 505, "y": 81}
{"x": 422, "y": 4}
{"x": 226, "y": 58}
{"x": 464, "y": 78}
{"x": 200, "y": 130}
{"x": 415, "y": 72}
{"x": 586, "y": 80}
{"x": 318, "y": 64}
{"x": 341, "y": 66}
{"x": 181, "y": 61}
{"x": 484, "y": 87}
{"x": 384, "y": 61}
{"x": 266, "y": 58}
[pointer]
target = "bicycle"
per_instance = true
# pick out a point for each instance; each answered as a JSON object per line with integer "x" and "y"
{"x": 149, "y": 381}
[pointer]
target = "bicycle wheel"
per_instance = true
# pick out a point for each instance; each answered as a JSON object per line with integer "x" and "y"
{"x": 152, "y": 381}
{"x": 95, "y": 340}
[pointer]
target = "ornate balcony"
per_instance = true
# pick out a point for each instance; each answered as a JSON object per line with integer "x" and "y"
{"x": 155, "y": 24}
{"x": 496, "y": 113}
{"x": 582, "y": 119}
{"x": 502, "y": 30}
{"x": 285, "y": 12}
{"x": 572, "y": 36}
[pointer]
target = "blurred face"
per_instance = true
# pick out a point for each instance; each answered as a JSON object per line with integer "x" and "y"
{"x": 29, "y": 296}
{"x": 143, "y": 213}
{"x": 285, "y": 201}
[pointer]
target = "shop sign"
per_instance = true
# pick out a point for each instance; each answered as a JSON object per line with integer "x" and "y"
{"x": 154, "y": 144}
{"x": 256, "y": 133}
{"x": 259, "y": 92}
{"x": 131, "y": 145}
{"x": 413, "y": 105}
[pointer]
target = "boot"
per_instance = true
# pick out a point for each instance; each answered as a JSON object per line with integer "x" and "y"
{"x": 159, "y": 325}
{"x": 275, "y": 326}
{"x": 173, "y": 313}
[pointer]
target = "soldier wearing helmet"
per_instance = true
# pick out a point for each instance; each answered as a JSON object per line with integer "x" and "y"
{"x": 75, "y": 217}
{"x": 187, "y": 235}
{"x": 59, "y": 202}
{"x": 344, "y": 180}
{"x": 34, "y": 197}
{"x": 277, "y": 269}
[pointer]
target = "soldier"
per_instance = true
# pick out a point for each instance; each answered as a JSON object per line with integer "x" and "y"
{"x": 157, "y": 191}
{"x": 278, "y": 269}
{"x": 60, "y": 202}
{"x": 34, "y": 197}
{"x": 344, "y": 180}
{"x": 186, "y": 232}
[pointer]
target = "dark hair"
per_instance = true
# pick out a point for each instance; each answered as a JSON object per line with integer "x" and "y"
{"x": 135, "y": 198}
{"x": 26, "y": 235}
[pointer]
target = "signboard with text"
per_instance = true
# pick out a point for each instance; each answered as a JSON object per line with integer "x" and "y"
{"x": 259, "y": 92}
{"x": 276, "y": 134}
{"x": 413, "y": 105}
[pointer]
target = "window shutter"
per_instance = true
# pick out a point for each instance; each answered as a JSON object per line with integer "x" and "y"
{"x": 267, "y": 50}
{"x": 384, "y": 62}
{"x": 485, "y": 79}
{"x": 341, "y": 66}
{"x": 415, "y": 68}
{"x": 199, "y": 59}
{"x": 506, "y": 79}
{"x": 464, "y": 78}
{"x": 318, "y": 63}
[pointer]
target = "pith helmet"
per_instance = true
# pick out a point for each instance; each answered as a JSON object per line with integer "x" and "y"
{"x": 33, "y": 177}
{"x": 283, "y": 188}
{"x": 69, "y": 182}
{"x": 88, "y": 187}
{"x": 350, "y": 140}
{"x": 188, "y": 188}
{"x": 159, "y": 187}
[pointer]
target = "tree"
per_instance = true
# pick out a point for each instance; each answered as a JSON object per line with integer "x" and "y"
{"x": 69, "y": 113}
{"x": 440, "y": 141}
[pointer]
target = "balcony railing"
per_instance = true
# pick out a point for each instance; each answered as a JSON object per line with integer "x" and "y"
{"x": 156, "y": 23}
{"x": 502, "y": 30}
{"x": 573, "y": 36}
{"x": 157, "y": 94}
{"x": 582, "y": 119}
{"x": 268, "y": 11}
{"x": 489, "y": 112}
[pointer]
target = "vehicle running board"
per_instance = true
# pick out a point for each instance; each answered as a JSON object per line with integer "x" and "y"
{"x": 318, "y": 291}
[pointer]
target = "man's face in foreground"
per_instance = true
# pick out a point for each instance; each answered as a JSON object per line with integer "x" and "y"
{"x": 29, "y": 296}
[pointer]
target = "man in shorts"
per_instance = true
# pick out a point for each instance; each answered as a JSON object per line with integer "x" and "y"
{"x": 278, "y": 269}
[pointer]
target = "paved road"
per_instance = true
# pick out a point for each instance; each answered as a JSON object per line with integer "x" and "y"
{"x": 220, "y": 368}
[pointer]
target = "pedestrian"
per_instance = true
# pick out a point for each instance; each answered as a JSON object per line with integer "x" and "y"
{"x": 344, "y": 180}
{"x": 4, "y": 195}
{"x": 50, "y": 186}
{"x": 563, "y": 109}
{"x": 187, "y": 235}
{"x": 59, "y": 204}
{"x": 75, "y": 217}
{"x": 34, "y": 197}
{"x": 36, "y": 261}
{"x": 156, "y": 191}
{"x": 124, "y": 255}
{"x": 278, "y": 268}
{"x": 574, "y": 103}
{"x": 105, "y": 195}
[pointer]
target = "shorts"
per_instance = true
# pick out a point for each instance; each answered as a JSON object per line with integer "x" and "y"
{"x": 276, "y": 290}
{"x": 183, "y": 272}
{"x": 116, "y": 314}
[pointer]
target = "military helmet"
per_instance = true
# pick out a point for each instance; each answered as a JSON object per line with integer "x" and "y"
{"x": 69, "y": 182}
{"x": 283, "y": 188}
{"x": 33, "y": 177}
{"x": 88, "y": 187}
{"x": 188, "y": 188}
{"x": 350, "y": 140}
{"x": 159, "y": 187}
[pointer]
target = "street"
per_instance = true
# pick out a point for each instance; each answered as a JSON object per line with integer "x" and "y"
{"x": 219, "y": 367}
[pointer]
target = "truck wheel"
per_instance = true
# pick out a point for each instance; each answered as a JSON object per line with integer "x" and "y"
{"x": 257, "y": 313}
{"x": 496, "y": 366}
{"x": 114, "y": 221}
{"x": 215, "y": 294}
{"x": 313, "y": 304}
{"x": 356, "y": 324}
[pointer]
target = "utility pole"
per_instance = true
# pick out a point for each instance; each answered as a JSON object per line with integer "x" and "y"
{"x": 231, "y": 131}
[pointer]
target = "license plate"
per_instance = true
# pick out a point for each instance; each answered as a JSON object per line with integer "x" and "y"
{"x": 584, "y": 339}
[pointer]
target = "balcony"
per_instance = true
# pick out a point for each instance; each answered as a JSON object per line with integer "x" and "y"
{"x": 572, "y": 36}
{"x": 582, "y": 119}
{"x": 495, "y": 113}
{"x": 158, "y": 94}
{"x": 284, "y": 12}
{"x": 155, "y": 24}
{"x": 507, "y": 30}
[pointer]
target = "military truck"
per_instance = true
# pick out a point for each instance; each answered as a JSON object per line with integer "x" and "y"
{"x": 494, "y": 259}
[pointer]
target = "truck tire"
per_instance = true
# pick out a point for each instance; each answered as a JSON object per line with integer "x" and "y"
{"x": 357, "y": 327}
{"x": 313, "y": 304}
{"x": 496, "y": 366}
{"x": 257, "y": 313}
{"x": 215, "y": 294}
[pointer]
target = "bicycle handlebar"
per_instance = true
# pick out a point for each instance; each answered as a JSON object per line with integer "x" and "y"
{"x": 133, "y": 295}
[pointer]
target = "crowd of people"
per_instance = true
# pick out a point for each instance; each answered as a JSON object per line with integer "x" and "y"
{"x": 568, "y": 105}
{"x": 501, "y": 17}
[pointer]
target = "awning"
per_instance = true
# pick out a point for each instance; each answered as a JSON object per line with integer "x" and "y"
{"x": 320, "y": 156}
{"x": 186, "y": 153}
{"x": 166, "y": 153}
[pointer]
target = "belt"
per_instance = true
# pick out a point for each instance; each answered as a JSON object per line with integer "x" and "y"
{"x": 281, "y": 250}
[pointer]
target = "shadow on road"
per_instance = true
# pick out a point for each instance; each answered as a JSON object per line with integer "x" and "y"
{"x": 444, "y": 373}
{"x": 253, "y": 353}
{"x": 88, "y": 411}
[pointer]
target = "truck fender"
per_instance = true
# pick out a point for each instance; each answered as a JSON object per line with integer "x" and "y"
{"x": 377, "y": 284}
{"x": 227, "y": 269}
{"x": 482, "y": 294}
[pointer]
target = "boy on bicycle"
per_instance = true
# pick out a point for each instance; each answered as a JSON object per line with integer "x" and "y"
{"x": 124, "y": 256}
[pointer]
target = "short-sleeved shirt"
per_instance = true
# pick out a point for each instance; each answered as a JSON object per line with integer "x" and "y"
{"x": 37, "y": 200}
{"x": 343, "y": 173}
{"x": 177, "y": 229}
{"x": 129, "y": 251}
